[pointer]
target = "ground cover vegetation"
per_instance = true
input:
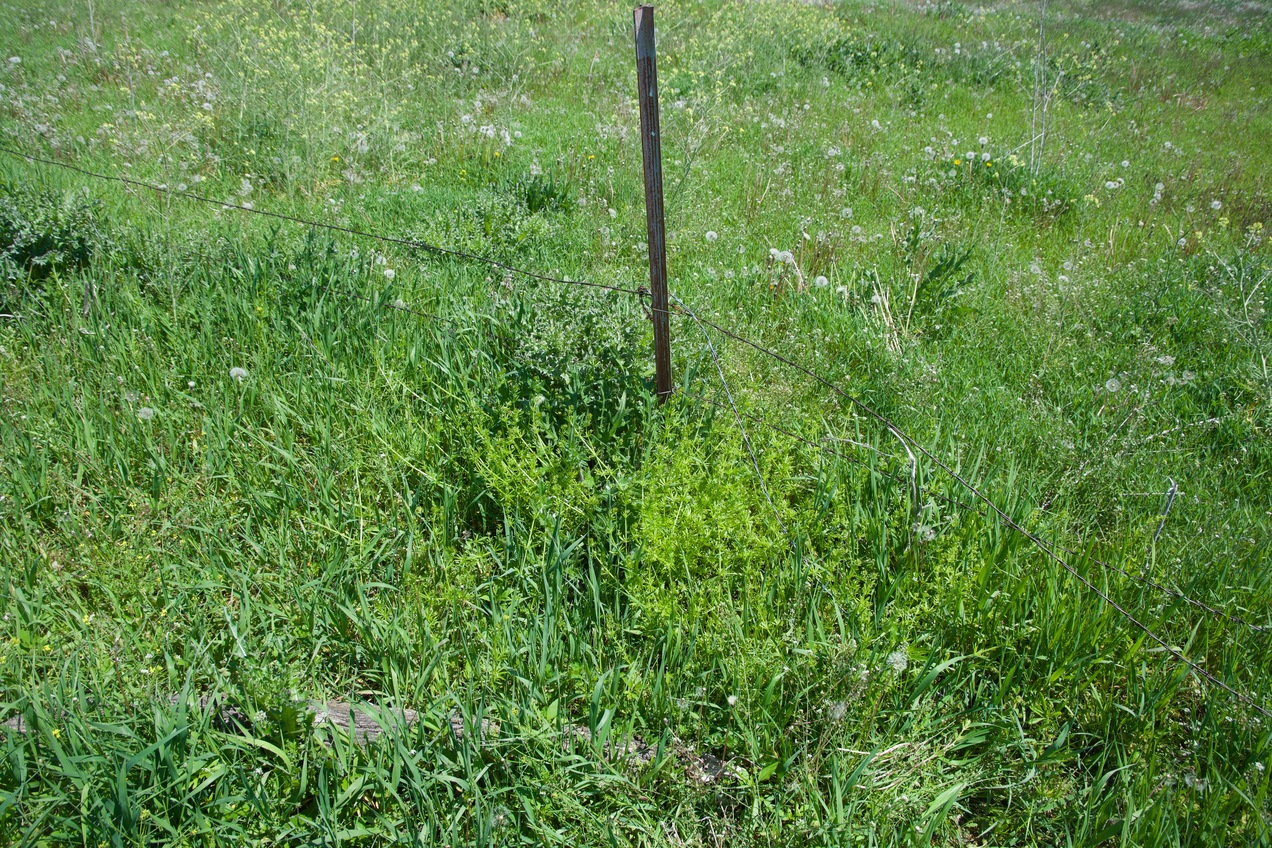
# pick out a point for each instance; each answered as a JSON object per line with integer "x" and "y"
{"x": 235, "y": 479}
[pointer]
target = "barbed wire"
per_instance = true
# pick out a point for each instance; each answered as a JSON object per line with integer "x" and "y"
{"x": 1174, "y": 652}
{"x": 906, "y": 441}
{"x": 405, "y": 242}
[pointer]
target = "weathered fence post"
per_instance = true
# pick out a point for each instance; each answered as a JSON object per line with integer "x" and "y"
{"x": 647, "y": 84}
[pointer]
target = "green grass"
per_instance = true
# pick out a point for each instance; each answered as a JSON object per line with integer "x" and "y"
{"x": 484, "y": 515}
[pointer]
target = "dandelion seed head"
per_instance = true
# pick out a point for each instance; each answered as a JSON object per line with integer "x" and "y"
{"x": 711, "y": 235}
{"x": 1112, "y": 384}
{"x": 389, "y": 273}
{"x": 899, "y": 661}
{"x": 820, "y": 281}
{"x": 145, "y": 413}
{"x": 1216, "y": 205}
{"x": 984, "y": 140}
{"x": 238, "y": 374}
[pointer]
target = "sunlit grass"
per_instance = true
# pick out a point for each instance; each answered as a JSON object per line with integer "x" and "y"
{"x": 227, "y": 488}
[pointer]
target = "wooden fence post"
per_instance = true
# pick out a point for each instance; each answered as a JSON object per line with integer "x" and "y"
{"x": 647, "y": 85}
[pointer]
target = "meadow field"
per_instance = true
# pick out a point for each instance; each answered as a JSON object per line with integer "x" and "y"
{"x": 250, "y": 466}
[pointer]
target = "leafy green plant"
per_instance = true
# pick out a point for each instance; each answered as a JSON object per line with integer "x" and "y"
{"x": 42, "y": 232}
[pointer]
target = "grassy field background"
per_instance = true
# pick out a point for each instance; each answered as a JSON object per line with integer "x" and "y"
{"x": 233, "y": 481}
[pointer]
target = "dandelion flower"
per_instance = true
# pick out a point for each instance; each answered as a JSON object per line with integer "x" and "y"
{"x": 711, "y": 235}
{"x": 145, "y": 413}
{"x": 984, "y": 140}
{"x": 389, "y": 273}
{"x": 985, "y": 156}
{"x": 899, "y": 661}
{"x": 846, "y": 212}
{"x": 1112, "y": 384}
{"x": 238, "y": 374}
{"x": 820, "y": 281}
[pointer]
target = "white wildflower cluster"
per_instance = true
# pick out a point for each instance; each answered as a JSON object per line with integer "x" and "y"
{"x": 490, "y": 132}
{"x": 783, "y": 266}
